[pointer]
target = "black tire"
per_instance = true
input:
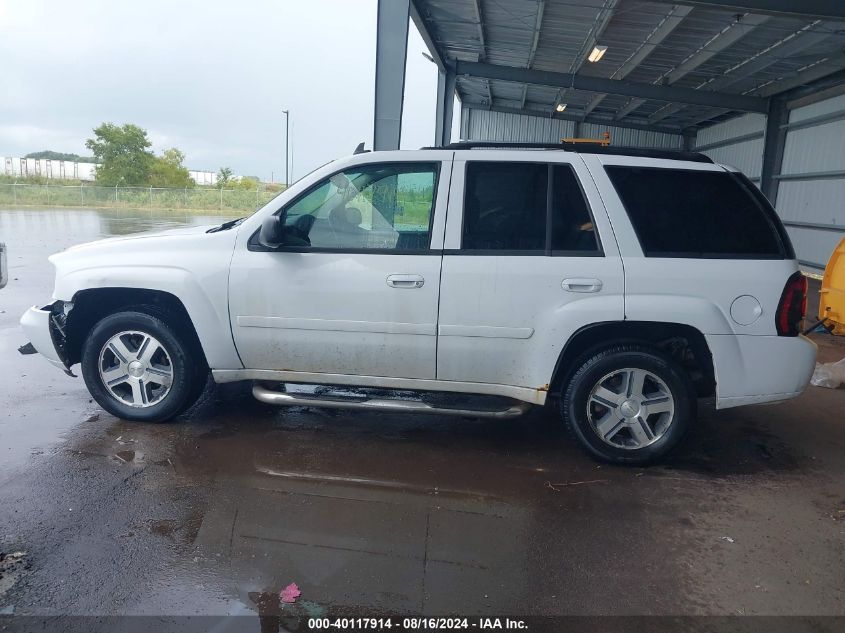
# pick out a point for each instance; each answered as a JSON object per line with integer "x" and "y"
{"x": 186, "y": 361}
{"x": 603, "y": 363}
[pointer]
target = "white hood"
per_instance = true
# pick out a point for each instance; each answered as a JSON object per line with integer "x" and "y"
{"x": 171, "y": 247}
{"x": 187, "y": 230}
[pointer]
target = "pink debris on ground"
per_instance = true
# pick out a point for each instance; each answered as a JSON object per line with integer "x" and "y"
{"x": 290, "y": 593}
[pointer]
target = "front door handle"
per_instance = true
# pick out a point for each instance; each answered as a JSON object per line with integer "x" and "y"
{"x": 405, "y": 281}
{"x": 581, "y": 285}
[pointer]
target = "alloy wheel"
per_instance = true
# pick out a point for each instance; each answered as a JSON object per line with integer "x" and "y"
{"x": 136, "y": 369}
{"x": 630, "y": 408}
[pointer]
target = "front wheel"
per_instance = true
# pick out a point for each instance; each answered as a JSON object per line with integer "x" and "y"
{"x": 629, "y": 404}
{"x": 137, "y": 367}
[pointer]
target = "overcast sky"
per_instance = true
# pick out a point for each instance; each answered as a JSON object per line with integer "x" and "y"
{"x": 210, "y": 78}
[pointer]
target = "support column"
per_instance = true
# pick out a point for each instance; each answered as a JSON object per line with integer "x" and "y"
{"x": 690, "y": 135}
{"x": 445, "y": 107}
{"x": 773, "y": 146}
{"x": 391, "y": 54}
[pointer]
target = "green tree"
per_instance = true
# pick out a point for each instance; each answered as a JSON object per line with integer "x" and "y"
{"x": 168, "y": 170}
{"x": 122, "y": 153}
{"x": 224, "y": 177}
{"x": 248, "y": 183}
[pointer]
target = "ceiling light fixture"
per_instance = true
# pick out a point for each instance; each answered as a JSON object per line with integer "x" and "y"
{"x": 597, "y": 53}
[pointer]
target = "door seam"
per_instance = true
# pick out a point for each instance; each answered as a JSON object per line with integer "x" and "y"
{"x": 440, "y": 276}
{"x": 615, "y": 239}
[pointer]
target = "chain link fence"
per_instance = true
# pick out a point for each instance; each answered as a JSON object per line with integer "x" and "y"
{"x": 19, "y": 194}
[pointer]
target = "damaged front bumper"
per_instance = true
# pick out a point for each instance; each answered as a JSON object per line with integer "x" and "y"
{"x": 45, "y": 328}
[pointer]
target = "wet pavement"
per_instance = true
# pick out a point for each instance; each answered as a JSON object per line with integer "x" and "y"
{"x": 383, "y": 513}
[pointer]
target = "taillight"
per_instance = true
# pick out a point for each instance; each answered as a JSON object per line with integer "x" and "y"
{"x": 792, "y": 306}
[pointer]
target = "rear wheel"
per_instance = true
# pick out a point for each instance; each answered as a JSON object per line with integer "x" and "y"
{"x": 629, "y": 404}
{"x": 139, "y": 368}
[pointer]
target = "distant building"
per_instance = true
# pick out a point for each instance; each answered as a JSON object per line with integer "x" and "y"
{"x": 203, "y": 177}
{"x": 46, "y": 168}
{"x": 70, "y": 170}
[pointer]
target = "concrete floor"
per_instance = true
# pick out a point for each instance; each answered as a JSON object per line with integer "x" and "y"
{"x": 378, "y": 513}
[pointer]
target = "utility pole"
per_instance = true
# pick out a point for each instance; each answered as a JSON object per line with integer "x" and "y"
{"x": 287, "y": 145}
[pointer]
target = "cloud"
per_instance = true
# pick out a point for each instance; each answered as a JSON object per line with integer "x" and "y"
{"x": 209, "y": 78}
{"x": 37, "y": 138}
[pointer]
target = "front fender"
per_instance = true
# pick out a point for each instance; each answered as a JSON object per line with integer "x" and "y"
{"x": 206, "y": 302}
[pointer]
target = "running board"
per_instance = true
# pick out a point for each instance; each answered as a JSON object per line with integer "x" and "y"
{"x": 380, "y": 404}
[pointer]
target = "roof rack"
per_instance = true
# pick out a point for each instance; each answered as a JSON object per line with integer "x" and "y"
{"x": 585, "y": 148}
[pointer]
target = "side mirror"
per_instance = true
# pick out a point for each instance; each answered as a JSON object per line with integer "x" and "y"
{"x": 272, "y": 231}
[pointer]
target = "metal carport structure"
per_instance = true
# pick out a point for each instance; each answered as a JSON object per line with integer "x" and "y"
{"x": 744, "y": 80}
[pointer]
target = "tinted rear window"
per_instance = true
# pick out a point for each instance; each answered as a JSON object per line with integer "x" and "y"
{"x": 505, "y": 206}
{"x": 686, "y": 213}
{"x": 573, "y": 231}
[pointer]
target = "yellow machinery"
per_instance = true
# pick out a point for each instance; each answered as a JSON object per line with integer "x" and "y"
{"x": 832, "y": 295}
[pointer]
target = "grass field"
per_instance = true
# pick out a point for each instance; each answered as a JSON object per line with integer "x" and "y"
{"x": 195, "y": 199}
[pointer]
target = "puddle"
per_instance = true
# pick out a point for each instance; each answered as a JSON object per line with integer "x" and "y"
{"x": 126, "y": 457}
{"x": 184, "y": 532}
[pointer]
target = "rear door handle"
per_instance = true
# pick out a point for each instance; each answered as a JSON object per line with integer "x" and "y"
{"x": 581, "y": 285}
{"x": 405, "y": 281}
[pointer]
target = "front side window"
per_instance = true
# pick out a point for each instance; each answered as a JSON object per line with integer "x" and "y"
{"x": 384, "y": 206}
{"x": 693, "y": 213}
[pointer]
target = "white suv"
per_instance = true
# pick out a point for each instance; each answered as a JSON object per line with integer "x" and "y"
{"x": 625, "y": 284}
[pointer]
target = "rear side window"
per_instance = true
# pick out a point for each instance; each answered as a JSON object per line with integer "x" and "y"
{"x": 505, "y": 206}
{"x": 573, "y": 231}
{"x": 686, "y": 213}
{"x": 526, "y": 208}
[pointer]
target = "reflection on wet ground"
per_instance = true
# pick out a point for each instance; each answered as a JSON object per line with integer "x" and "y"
{"x": 383, "y": 513}
{"x": 416, "y": 514}
{"x": 31, "y": 235}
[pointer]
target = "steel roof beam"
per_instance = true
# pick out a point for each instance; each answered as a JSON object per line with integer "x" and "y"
{"x": 792, "y": 45}
{"x": 611, "y": 86}
{"x": 821, "y": 9}
{"x": 726, "y": 38}
{"x": 810, "y": 74}
{"x": 817, "y": 83}
{"x": 716, "y": 44}
{"x": 602, "y": 20}
{"x": 538, "y": 24}
{"x": 809, "y": 84}
{"x": 629, "y": 107}
{"x": 426, "y": 36}
{"x": 660, "y": 33}
{"x": 482, "y": 42}
{"x": 703, "y": 118}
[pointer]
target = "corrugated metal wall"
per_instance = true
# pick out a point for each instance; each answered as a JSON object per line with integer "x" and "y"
{"x": 738, "y": 142}
{"x": 626, "y": 137}
{"x": 487, "y": 125}
{"x": 811, "y": 194}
